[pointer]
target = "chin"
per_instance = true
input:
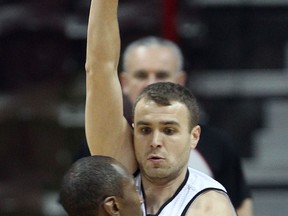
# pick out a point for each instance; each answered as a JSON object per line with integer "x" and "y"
{"x": 157, "y": 173}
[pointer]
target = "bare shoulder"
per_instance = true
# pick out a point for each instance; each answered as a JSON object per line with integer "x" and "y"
{"x": 212, "y": 202}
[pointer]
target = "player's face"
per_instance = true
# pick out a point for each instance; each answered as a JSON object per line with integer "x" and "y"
{"x": 162, "y": 139}
{"x": 147, "y": 65}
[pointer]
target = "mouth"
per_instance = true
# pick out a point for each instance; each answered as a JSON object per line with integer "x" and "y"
{"x": 154, "y": 157}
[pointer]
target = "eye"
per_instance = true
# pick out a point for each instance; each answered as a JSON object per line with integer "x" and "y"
{"x": 145, "y": 130}
{"x": 162, "y": 76}
{"x": 141, "y": 75}
{"x": 169, "y": 131}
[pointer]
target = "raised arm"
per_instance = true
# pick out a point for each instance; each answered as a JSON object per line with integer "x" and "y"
{"x": 107, "y": 131}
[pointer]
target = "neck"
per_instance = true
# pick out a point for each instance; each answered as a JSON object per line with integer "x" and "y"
{"x": 158, "y": 192}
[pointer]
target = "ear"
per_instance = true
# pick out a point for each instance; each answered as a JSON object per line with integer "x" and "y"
{"x": 111, "y": 205}
{"x": 181, "y": 78}
{"x": 195, "y": 136}
{"x": 124, "y": 79}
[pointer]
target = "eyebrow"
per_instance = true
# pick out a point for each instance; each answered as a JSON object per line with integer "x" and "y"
{"x": 139, "y": 71}
{"x": 142, "y": 123}
{"x": 161, "y": 122}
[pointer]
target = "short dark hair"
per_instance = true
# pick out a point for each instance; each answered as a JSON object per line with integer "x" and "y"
{"x": 87, "y": 183}
{"x": 163, "y": 93}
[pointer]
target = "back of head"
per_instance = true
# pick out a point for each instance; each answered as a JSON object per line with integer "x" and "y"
{"x": 87, "y": 183}
{"x": 163, "y": 93}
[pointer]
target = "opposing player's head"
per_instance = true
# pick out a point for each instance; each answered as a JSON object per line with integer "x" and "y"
{"x": 99, "y": 185}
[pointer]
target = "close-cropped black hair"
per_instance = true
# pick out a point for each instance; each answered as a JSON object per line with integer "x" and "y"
{"x": 87, "y": 183}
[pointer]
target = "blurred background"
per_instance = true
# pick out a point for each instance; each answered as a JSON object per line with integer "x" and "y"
{"x": 236, "y": 55}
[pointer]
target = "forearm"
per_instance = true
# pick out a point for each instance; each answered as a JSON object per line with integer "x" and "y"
{"x": 103, "y": 40}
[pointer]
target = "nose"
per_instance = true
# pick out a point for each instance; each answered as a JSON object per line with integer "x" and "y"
{"x": 156, "y": 139}
{"x": 151, "y": 79}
